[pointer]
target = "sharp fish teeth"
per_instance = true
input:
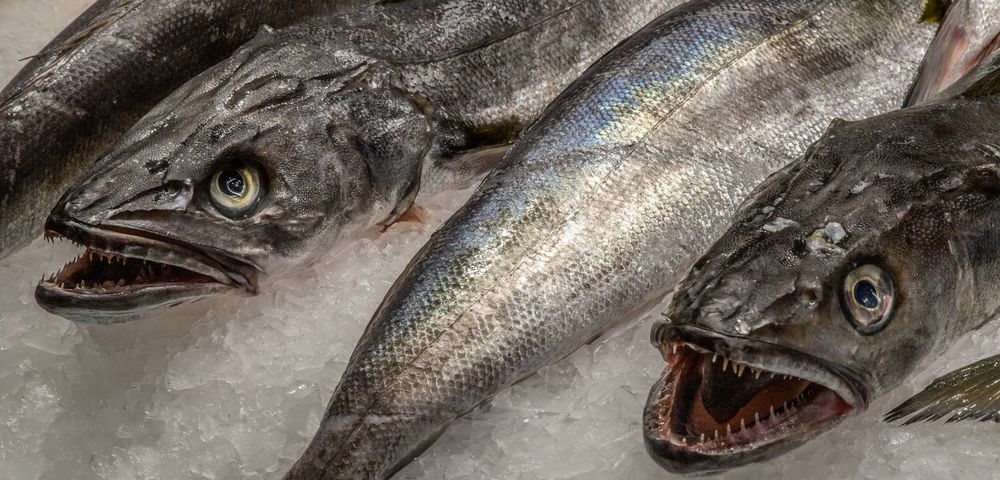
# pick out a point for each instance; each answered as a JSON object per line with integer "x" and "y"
{"x": 674, "y": 349}
{"x": 725, "y": 363}
{"x": 739, "y": 373}
{"x": 714, "y": 356}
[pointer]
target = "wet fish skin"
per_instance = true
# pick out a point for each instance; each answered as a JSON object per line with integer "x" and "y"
{"x": 913, "y": 192}
{"x": 350, "y": 116}
{"x": 102, "y": 73}
{"x": 602, "y": 204}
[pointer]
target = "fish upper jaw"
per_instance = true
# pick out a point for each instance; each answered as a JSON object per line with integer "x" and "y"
{"x": 726, "y": 401}
{"x": 126, "y": 272}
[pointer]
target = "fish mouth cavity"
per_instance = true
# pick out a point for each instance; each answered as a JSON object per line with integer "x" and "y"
{"x": 725, "y": 401}
{"x": 125, "y": 272}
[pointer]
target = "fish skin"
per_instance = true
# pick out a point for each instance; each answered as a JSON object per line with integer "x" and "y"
{"x": 915, "y": 192}
{"x": 100, "y": 75}
{"x": 602, "y": 204}
{"x": 350, "y": 115}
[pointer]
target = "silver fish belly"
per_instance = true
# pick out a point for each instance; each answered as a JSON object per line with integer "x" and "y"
{"x": 602, "y": 204}
{"x": 102, "y": 73}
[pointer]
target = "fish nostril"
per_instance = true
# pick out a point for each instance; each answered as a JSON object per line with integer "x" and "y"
{"x": 176, "y": 187}
{"x": 174, "y": 194}
{"x": 809, "y": 297}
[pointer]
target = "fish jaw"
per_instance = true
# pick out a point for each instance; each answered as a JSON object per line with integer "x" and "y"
{"x": 775, "y": 399}
{"x": 125, "y": 273}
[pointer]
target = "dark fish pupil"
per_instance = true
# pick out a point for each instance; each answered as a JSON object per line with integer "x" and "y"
{"x": 231, "y": 183}
{"x": 866, "y": 294}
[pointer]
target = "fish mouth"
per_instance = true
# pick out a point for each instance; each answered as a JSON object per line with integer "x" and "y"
{"x": 724, "y": 401}
{"x": 124, "y": 273}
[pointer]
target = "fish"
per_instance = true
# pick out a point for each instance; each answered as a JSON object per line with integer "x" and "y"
{"x": 99, "y": 76}
{"x": 311, "y": 136}
{"x": 602, "y": 204}
{"x": 841, "y": 276}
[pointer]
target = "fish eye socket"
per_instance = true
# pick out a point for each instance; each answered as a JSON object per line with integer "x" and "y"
{"x": 236, "y": 189}
{"x": 868, "y": 298}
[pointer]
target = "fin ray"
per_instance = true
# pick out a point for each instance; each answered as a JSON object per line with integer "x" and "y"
{"x": 969, "y": 393}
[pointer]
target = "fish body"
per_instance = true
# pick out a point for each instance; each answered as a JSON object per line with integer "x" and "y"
{"x": 841, "y": 276}
{"x": 600, "y": 206}
{"x": 107, "y": 69}
{"x": 312, "y": 134}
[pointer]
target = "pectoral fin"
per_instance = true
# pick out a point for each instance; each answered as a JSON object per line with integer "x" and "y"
{"x": 969, "y": 393}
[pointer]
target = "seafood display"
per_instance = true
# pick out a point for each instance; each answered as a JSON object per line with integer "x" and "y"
{"x": 796, "y": 195}
{"x": 600, "y": 205}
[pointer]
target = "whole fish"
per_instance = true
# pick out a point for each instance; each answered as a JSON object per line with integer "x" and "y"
{"x": 841, "y": 276}
{"x": 311, "y": 134}
{"x": 102, "y": 73}
{"x": 602, "y": 203}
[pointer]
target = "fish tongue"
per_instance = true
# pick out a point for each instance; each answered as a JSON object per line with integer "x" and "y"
{"x": 723, "y": 393}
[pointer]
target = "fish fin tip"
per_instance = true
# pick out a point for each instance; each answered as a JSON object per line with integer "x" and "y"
{"x": 415, "y": 214}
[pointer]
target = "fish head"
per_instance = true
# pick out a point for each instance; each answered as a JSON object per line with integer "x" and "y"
{"x": 248, "y": 170}
{"x": 836, "y": 280}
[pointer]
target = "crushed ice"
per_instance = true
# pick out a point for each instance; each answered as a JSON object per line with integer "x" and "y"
{"x": 234, "y": 388}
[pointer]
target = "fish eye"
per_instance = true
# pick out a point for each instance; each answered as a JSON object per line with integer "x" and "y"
{"x": 867, "y": 298}
{"x": 236, "y": 189}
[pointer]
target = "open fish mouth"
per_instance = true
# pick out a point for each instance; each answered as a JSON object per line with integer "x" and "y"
{"x": 724, "y": 402}
{"x": 124, "y": 273}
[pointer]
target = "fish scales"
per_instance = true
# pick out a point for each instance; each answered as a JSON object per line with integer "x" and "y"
{"x": 108, "y": 68}
{"x": 350, "y": 116}
{"x": 603, "y": 203}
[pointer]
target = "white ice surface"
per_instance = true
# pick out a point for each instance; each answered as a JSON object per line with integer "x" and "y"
{"x": 234, "y": 388}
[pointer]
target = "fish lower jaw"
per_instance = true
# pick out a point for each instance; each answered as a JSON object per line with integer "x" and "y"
{"x": 710, "y": 413}
{"x": 121, "y": 275}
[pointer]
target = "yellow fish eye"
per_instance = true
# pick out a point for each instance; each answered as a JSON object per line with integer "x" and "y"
{"x": 236, "y": 190}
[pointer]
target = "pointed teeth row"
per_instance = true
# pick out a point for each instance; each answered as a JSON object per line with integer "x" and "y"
{"x": 738, "y": 368}
{"x": 774, "y": 416}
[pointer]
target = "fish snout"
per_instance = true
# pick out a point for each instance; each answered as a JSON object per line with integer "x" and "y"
{"x": 94, "y": 204}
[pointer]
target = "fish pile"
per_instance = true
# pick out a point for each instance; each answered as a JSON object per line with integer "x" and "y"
{"x": 747, "y": 160}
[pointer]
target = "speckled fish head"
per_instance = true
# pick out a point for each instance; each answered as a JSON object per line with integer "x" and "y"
{"x": 250, "y": 168}
{"x": 836, "y": 280}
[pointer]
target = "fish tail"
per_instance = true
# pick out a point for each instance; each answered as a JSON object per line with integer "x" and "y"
{"x": 369, "y": 446}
